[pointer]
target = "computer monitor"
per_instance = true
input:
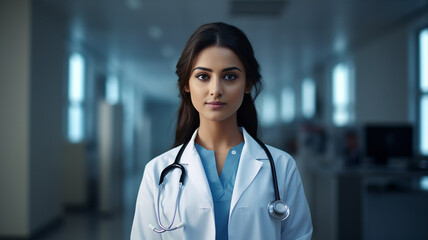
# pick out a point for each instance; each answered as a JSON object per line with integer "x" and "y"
{"x": 383, "y": 142}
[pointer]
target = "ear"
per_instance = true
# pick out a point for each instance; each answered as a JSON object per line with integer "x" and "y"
{"x": 186, "y": 88}
{"x": 248, "y": 88}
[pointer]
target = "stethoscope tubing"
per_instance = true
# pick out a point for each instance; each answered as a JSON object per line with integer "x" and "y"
{"x": 169, "y": 228}
{"x": 170, "y": 167}
{"x": 272, "y": 168}
{"x": 282, "y": 215}
{"x": 176, "y": 164}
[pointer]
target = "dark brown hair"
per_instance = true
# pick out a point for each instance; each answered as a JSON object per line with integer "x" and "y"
{"x": 223, "y": 35}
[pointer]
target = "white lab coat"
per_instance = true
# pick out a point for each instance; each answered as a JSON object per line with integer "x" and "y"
{"x": 248, "y": 217}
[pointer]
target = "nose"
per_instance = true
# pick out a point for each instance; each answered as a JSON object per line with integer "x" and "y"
{"x": 216, "y": 87}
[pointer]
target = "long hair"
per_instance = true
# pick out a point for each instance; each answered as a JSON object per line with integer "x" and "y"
{"x": 222, "y": 35}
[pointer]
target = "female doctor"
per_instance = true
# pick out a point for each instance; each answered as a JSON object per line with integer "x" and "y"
{"x": 227, "y": 177}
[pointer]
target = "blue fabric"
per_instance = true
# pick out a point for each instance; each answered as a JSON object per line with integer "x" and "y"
{"x": 221, "y": 187}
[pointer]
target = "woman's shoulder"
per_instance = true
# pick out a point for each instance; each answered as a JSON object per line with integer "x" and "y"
{"x": 282, "y": 158}
{"x": 279, "y": 152}
{"x": 278, "y": 155}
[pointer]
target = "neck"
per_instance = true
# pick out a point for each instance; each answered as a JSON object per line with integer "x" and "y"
{"x": 213, "y": 135}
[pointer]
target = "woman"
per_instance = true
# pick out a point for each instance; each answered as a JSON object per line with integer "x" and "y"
{"x": 228, "y": 178}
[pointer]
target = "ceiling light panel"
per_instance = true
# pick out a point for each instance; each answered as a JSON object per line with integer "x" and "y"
{"x": 258, "y": 7}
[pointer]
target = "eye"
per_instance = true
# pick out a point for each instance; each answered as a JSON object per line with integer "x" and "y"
{"x": 230, "y": 76}
{"x": 202, "y": 76}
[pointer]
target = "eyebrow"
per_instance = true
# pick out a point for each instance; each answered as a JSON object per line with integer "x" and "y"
{"x": 210, "y": 70}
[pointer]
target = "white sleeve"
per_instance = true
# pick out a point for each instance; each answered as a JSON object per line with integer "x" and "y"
{"x": 298, "y": 225}
{"x": 145, "y": 213}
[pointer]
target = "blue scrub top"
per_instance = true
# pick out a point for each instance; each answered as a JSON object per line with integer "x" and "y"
{"x": 221, "y": 188}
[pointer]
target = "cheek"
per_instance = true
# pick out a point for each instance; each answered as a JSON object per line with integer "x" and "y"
{"x": 240, "y": 90}
{"x": 196, "y": 96}
{"x": 238, "y": 95}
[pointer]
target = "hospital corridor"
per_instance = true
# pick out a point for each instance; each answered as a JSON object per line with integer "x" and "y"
{"x": 91, "y": 92}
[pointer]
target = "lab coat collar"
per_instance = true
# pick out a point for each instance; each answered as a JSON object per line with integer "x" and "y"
{"x": 195, "y": 170}
{"x": 249, "y": 166}
{"x": 190, "y": 151}
{"x": 254, "y": 149}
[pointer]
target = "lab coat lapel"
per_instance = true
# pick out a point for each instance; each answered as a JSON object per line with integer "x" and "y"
{"x": 248, "y": 167}
{"x": 195, "y": 170}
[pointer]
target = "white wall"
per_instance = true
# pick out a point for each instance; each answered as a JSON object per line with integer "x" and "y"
{"x": 384, "y": 67}
{"x": 381, "y": 73}
{"x": 14, "y": 120}
{"x": 31, "y": 90}
{"x": 48, "y": 62}
{"x": 385, "y": 91}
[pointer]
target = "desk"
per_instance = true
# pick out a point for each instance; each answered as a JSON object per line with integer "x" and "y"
{"x": 367, "y": 203}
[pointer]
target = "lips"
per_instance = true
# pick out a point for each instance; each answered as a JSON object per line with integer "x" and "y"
{"x": 215, "y": 104}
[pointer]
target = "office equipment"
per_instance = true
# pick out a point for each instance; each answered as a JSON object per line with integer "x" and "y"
{"x": 383, "y": 142}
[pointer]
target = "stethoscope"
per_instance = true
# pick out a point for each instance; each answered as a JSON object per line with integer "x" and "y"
{"x": 277, "y": 208}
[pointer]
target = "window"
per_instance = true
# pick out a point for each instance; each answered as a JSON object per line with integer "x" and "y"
{"x": 76, "y": 97}
{"x": 288, "y": 110}
{"x": 268, "y": 110}
{"x": 424, "y": 183}
{"x": 308, "y": 98}
{"x": 112, "y": 90}
{"x": 423, "y": 91}
{"x": 342, "y": 95}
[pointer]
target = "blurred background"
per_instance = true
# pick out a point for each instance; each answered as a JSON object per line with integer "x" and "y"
{"x": 88, "y": 96}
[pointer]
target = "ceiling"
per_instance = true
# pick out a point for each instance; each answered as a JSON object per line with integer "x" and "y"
{"x": 143, "y": 39}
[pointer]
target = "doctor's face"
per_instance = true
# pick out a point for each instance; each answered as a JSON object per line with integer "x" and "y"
{"x": 217, "y": 84}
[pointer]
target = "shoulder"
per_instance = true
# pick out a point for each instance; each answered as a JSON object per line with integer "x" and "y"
{"x": 282, "y": 159}
{"x": 276, "y": 152}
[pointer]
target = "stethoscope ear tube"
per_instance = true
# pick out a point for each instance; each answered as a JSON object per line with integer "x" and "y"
{"x": 171, "y": 167}
{"x": 272, "y": 167}
{"x": 170, "y": 227}
{"x": 176, "y": 164}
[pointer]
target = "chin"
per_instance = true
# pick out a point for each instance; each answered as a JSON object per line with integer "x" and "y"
{"x": 219, "y": 118}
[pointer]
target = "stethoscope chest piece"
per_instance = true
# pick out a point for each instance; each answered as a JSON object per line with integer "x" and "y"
{"x": 278, "y": 209}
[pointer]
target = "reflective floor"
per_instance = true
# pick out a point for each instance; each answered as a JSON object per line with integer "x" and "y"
{"x": 90, "y": 224}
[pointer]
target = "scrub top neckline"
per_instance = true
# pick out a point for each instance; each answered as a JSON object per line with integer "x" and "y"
{"x": 219, "y": 183}
{"x": 232, "y": 151}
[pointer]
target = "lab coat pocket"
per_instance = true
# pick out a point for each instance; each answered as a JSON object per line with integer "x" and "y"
{"x": 241, "y": 212}
{"x": 254, "y": 223}
{"x": 238, "y": 222}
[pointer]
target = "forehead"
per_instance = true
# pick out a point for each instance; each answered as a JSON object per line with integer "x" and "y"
{"x": 218, "y": 57}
